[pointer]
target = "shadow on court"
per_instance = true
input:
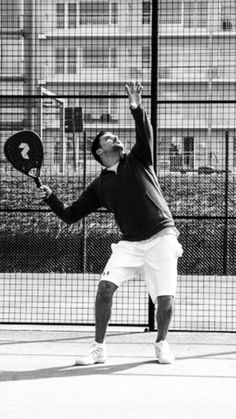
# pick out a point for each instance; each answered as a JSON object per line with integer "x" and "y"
{"x": 70, "y": 371}
{"x": 106, "y": 369}
{"x": 125, "y": 369}
{"x": 38, "y": 377}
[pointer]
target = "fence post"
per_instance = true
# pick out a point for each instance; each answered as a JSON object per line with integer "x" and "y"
{"x": 154, "y": 86}
{"x": 226, "y": 226}
{"x": 84, "y": 240}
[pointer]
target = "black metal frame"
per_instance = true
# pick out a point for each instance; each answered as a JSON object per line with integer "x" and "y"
{"x": 155, "y": 102}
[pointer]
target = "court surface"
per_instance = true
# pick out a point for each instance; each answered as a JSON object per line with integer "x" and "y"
{"x": 38, "y": 379}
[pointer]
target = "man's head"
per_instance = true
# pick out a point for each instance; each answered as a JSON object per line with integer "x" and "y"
{"x": 107, "y": 148}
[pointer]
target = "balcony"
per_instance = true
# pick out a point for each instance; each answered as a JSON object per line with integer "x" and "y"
{"x": 181, "y": 30}
{"x": 182, "y": 74}
{"x": 97, "y": 30}
{"x": 189, "y": 27}
{"x": 186, "y": 74}
{"x": 195, "y": 74}
{"x": 98, "y": 75}
{"x": 196, "y": 117}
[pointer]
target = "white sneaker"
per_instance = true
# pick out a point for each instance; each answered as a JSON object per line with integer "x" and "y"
{"x": 96, "y": 355}
{"x": 163, "y": 352}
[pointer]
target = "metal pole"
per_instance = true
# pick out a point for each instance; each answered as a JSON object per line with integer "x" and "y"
{"x": 30, "y": 57}
{"x": 63, "y": 141}
{"x": 73, "y": 140}
{"x": 154, "y": 78}
{"x": 154, "y": 85}
{"x": 84, "y": 242}
{"x": 209, "y": 96}
{"x": 226, "y": 226}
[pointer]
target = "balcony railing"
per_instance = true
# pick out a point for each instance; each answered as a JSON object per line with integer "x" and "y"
{"x": 94, "y": 20}
{"x": 196, "y": 73}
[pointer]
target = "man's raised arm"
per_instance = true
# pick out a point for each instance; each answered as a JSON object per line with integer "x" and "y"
{"x": 143, "y": 149}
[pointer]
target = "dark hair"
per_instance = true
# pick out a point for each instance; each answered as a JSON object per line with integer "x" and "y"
{"x": 95, "y": 145}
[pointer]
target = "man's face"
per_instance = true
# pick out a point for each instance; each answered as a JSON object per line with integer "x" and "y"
{"x": 110, "y": 142}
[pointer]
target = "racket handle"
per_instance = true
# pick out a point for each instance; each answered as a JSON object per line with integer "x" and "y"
{"x": 38, "y": 182}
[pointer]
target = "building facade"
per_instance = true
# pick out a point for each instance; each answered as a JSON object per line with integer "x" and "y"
{"x": 91, "y": 48}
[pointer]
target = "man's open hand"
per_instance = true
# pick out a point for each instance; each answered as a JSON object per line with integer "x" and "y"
{"x": 134, "y": 91}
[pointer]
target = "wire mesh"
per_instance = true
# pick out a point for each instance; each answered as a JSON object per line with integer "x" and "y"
{"x": 63, "y": 69}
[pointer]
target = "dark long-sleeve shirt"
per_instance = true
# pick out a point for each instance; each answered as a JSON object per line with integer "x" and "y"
{"x": 133, "y": 194}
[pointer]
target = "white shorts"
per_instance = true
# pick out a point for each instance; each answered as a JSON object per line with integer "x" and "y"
{"x": 154, "y": 259}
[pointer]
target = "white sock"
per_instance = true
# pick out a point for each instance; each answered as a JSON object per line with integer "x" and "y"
{"x": 99, "y": 345}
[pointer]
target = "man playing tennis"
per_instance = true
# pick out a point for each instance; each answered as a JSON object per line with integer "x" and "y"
{"x": 128, "y": 187}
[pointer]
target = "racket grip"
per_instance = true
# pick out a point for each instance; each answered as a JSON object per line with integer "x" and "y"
{"x": 38, "y": 182}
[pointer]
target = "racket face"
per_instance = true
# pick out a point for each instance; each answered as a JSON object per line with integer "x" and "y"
{"x": 24, "y": 151}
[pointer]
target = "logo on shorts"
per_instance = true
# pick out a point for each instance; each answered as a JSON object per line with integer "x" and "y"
{"x": 106, "y": 273}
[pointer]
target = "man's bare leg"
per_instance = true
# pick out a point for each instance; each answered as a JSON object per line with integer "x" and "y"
{"x": 103, "y": 305}
{"x": 164, "y": 315}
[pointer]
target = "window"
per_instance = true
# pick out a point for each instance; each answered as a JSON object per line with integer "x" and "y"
{"x": 10, "y": 14}
{"x": 71, "y": 60}
{"x": 195, "y": 14}
{"x": 104, "y": 110}
{"x": 95, "y": 57}
{"x": 60, "y": 14}
{"x": 10, "y": 21}
{"x": 113, "y": 57}
{"x": 146, "y": 15}
{"x": 228, "y": 15}
{"x": 63, "y": 65}
{"x": 114, "y": 13}
{"x": 72, "y": 9}
{"x": 146, "y": 56}
{"x": 164, "y": 72}
{"x": 98, "y": 13}
{"x": 170, "y": 12}
{"x": 60, "y": 60}
{"x": 11, "y": 57}
{"x": 99, "y": 56}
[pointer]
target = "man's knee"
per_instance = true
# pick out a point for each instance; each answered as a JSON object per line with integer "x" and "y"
{"x": 105, "y": 291}
{"x": 165, "y": 303}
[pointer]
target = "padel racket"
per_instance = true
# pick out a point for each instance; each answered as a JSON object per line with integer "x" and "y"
{"x": 24, "y": 150}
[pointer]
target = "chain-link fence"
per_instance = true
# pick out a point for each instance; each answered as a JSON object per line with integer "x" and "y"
{"x": 63, "y": 69}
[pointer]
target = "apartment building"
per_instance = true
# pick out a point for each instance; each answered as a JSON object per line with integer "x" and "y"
{"x": 11, "y": 74}
{"x": 91, "y": 48}
{"x": 197, "y": 62}
{"x": 18, "y": 68}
